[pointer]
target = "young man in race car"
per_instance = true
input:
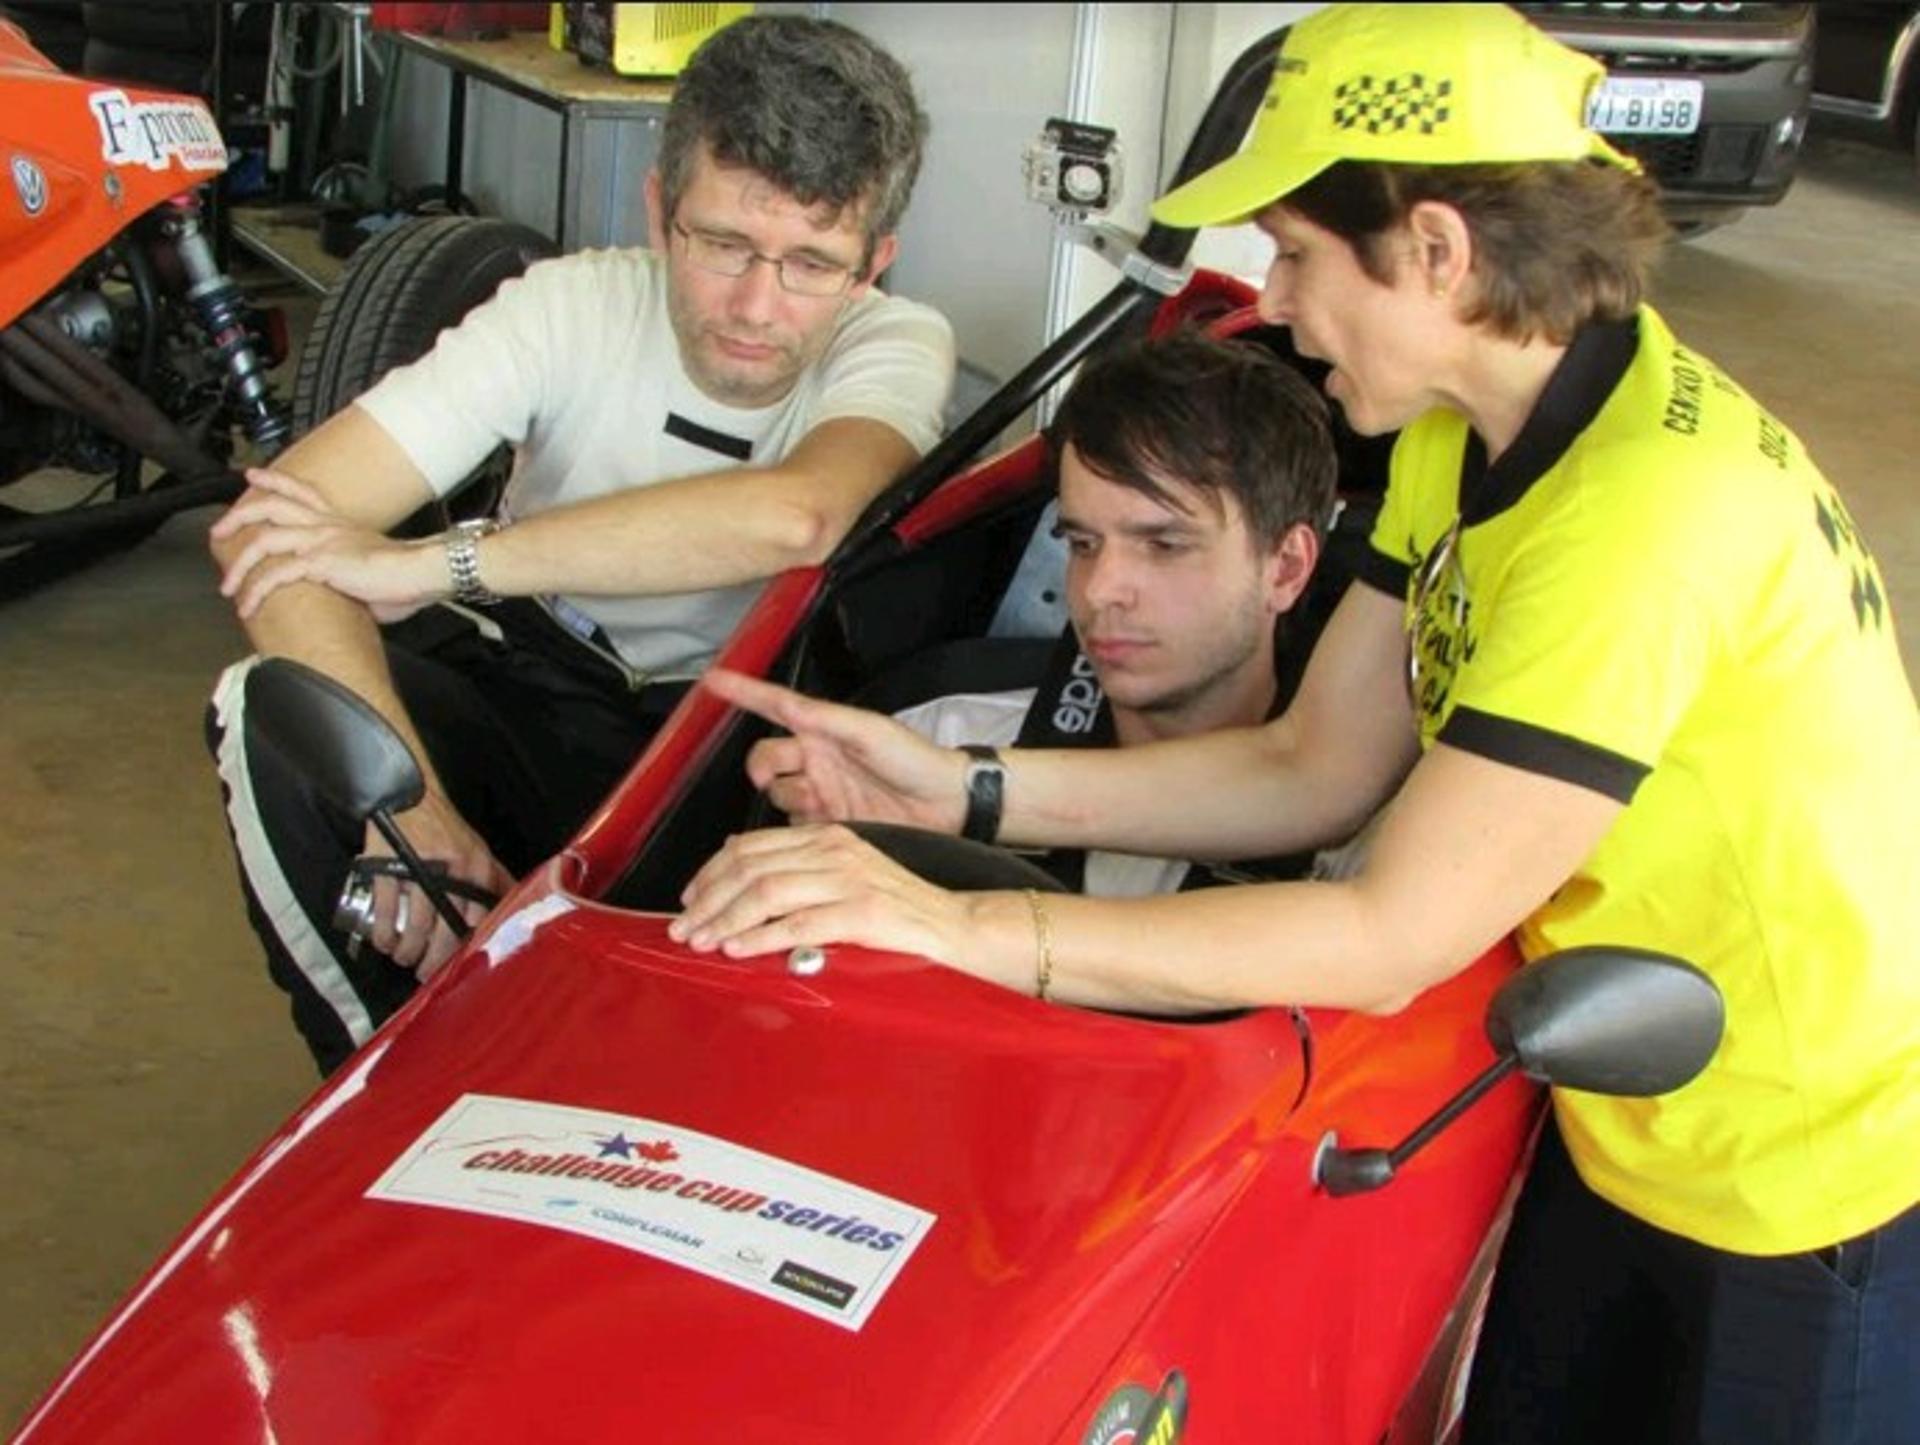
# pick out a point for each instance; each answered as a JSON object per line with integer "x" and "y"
{"x": 1196, "y": 485}
{"x": 686, "y": 421}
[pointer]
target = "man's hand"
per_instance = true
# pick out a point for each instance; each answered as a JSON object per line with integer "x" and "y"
{"x": 406, "y": 928}
{"x": 844, "y": 763}
{"x": 293, "y": 535}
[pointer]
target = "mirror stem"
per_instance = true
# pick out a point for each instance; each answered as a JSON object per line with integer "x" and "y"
{"x": 424, "y": 876}
{"x": 1355, "y": 1171}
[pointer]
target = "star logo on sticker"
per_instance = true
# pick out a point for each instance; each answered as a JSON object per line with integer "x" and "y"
{"x": 619, "y": 1144}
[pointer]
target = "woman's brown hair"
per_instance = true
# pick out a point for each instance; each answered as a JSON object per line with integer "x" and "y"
{"x": 1556, "y": 243}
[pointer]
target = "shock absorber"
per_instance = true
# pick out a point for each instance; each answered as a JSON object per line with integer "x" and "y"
{"x": 221, "y": 311}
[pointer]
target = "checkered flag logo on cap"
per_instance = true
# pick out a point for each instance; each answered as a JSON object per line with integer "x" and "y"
{"x": 1398, "y": 103}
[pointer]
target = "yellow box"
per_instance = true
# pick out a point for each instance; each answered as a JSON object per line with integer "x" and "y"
{"x": 637, "y": 39}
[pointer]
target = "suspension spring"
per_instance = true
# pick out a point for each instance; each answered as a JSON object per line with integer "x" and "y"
{"x": 221, "y": 311}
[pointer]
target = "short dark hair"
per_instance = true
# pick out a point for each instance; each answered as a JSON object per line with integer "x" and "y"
{"x": 815, "y": 107}
{"x": 1227, "y": 418}
{"x": 1556, "y": 243}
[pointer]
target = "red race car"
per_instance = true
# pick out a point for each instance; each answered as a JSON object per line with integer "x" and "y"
{"x": 588, "y": 1185}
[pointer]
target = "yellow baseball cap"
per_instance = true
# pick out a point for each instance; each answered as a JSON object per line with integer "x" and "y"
{"x": 1418, "y": 84}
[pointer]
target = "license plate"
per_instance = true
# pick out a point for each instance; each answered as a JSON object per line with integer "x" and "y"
{"x": 1645, "y": 107}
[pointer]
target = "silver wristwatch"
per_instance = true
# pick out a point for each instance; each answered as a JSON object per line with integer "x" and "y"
{"x": 462, "y": 542}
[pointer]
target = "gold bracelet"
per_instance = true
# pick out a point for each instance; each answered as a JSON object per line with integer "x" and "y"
{"x": 1042, "y": 944}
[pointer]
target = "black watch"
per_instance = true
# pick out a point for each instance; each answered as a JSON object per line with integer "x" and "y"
{"x": 986, "y": 780}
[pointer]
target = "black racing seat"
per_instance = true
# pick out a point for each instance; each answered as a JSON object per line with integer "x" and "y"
{"x": 965, "y": 665}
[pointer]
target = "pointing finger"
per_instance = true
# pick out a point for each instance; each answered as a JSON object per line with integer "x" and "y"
{"x": 767, "y": 700}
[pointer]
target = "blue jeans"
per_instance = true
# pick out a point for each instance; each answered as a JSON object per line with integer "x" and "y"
{"x": 1603, "y": 1328}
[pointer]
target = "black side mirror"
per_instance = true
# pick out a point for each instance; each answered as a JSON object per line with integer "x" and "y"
{"x": 1617, "y": 1021}
{"x": 1609, "y": 1021}
{"x": 354, "y": 759}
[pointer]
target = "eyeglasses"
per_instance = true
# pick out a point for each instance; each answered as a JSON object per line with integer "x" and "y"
{"x": 1443, "y": 561}
{"x": 799, "y": 273}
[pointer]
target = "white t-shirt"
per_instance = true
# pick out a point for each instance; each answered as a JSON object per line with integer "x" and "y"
{"x": 574, "y": 365}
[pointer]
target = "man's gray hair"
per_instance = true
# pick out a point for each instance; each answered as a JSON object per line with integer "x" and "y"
{"x": 813, "y": 106}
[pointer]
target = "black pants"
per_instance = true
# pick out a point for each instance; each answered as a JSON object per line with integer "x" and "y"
{"x": 528, "y": 733}
{"x": 1604, "y": 1329}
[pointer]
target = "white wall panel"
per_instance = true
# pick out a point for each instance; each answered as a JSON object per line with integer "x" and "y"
{"x": 972, "y": 244}
{"x": 1127, "y": 91}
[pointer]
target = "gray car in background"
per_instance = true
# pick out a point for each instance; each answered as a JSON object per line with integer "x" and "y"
{"x": 1712, "y": 99}
{"x": 1866, "y": 78}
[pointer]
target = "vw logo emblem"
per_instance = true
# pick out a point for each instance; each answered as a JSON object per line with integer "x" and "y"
{"x": 30, "y": 184}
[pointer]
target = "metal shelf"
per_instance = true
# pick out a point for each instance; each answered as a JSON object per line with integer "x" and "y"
{"x": 527, "y": 66}
{"x": 288, "y": 238}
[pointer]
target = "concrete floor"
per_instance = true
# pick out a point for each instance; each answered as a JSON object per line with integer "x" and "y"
{"x": 143, "y": 1054}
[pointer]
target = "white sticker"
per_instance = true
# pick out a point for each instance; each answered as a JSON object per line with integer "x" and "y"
{"x": 807, "y": 1240}
{"x": 1080, "y": 699}
{"x": 155, "y": 133}
{"x": 30, "y": 185}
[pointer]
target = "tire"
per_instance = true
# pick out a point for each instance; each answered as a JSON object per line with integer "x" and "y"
{"x": 56, "y": 30}
{"x": 180, "y": 26}
{"x": 149, "y": 69}
{"x": 397, "y": 294}
{"x": 177, "y": 27}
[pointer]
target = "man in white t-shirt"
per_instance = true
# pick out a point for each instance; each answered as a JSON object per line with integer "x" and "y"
{"x": 686, "y": 421}
{"x": 1196, "y": 481}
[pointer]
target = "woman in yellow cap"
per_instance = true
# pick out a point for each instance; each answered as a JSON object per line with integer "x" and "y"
{"x": 1624, "y": 671}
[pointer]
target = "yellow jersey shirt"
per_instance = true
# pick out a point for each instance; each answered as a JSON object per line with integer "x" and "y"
{"x": 1655, "y": 594}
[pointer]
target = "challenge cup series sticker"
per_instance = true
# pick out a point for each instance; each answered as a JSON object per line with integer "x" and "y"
{"x": 812, "y": 1242}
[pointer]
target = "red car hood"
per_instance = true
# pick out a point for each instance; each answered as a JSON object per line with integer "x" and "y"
{"x": 1068, "y": 1162}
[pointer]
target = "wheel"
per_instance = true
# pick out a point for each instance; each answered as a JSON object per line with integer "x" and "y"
{"x": 400, "y": 290}
{"x": 151, "y": 69}
{"x": 57, "y": 30}
{"x": 152, "y": 25}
